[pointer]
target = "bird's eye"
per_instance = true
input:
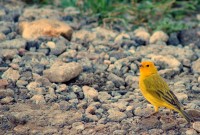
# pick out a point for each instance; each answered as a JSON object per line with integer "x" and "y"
{"x": 147, "y": 65}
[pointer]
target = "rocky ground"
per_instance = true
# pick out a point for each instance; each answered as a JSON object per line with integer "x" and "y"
{"x": 66, "y": 75}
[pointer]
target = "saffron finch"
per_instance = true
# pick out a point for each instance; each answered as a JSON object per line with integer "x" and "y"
{"x": 156, "y": 90}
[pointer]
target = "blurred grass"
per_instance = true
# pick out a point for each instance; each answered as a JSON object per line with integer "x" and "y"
{"x": 164, "y": 15}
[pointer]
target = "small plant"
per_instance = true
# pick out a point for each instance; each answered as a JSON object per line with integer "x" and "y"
{"x": 152, "y": 14}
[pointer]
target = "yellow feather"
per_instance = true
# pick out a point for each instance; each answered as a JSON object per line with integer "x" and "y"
{"x": 156, "y": 91}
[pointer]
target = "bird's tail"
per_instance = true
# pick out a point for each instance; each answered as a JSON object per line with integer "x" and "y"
{"x": 186, "y": 115}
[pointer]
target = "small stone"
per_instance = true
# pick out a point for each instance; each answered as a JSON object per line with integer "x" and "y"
{"x": 194, "y": 113}
{"x": 198, "y": 79}
{"x": 158, "y": 36}
{"x": 13, "y": 44}
{"x": 3, "y": 83}
{"x": 79, "y": 126}
{"x": 168, "y": 123}
{"x": 8, "y": 53}
{"x": 196, "y": 66}
{"x": 191, "y": 132}
{"x": 62, "y": 88}
{"x": 104, "y": 97}
{"x": 121, "y": 105}
{"x": 38, "y": 99}
{"x": 89, "y": 92}
{"x": 118, "y": 81}
{"x": 142, "y": 34}
{"x": 115, "y": 115}
{"x": 196, "y": 126}
{"x": 51, "y": 44}
{"x": 120, "y": 37}
{"x": 173, "y": 39}
{"x": 155, "y": 131}
{"x": 49, "y": 130}
{"x": 181, "y": 96}
{"x": 142, "y": 111}
{"x": 6, "y": 92}
{"x": 62, "y": 72}
{"x": 149, "y": 123}
{"x": 11, "y": 74}
{"x": 21, "y": 83}
{"x": 119, "y": 132}
{"x": 6, "y": 100}
{"x": 2, "y": 37}
{"x": 21, "y": 129}
{"x": 32, "y": 86}
{"x": 45, "y": 27}
{"x": 169, "y": 60}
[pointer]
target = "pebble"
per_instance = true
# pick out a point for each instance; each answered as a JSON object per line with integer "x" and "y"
{"x": 103, "y": 97}
{"x": 11, "y": 74}
{"x": 182, "y": 96}
{"x": 98, "y": 93}
{"x": 196, "y": 66}
{"x": 191, "y": 132}
{"x": 6, "y": 100}
{"x": 2, "y": 37}
{"x": 115, "y": 115}
{"x": 38, "y": 99}
{"x": 62, "y": 72}
{"x": 196, "y": 126}
{"x": 13, "y": 44}
{"x": 119, "y": 132}
{"x": 158, "y": 36}
{"x": 142, "y": 34}
{"x": 118, "y": 81}
{"x": 79, "y": 126}
{"x": 89, "y": 92}
{"x": 3, "y": 83}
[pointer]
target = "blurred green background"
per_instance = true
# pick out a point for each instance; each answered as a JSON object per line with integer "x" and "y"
{"x": 167, "y": 15}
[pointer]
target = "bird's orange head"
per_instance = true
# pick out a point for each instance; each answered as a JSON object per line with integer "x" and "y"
{"x": 147, "y": 68}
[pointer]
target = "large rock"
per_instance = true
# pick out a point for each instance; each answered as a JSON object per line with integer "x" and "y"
{"x": 45, "y": 27}
{"x": 63, "y": 72}
{"x": 11, "y": 74}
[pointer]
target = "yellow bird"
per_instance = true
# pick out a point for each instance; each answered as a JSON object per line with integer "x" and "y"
{"x": 156, "y": 90}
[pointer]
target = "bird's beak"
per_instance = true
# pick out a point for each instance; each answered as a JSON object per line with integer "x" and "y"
{"x": 140, "y": 65}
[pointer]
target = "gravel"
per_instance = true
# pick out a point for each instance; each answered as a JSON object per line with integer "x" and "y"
{"x": 89, "y": 84}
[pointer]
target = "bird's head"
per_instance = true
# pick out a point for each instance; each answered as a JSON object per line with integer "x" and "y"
{"x": 147, "y": 68}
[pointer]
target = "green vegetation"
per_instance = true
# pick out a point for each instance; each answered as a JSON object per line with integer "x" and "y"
{"x": 153, "y": 14}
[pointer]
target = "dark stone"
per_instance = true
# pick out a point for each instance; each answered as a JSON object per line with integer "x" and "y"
{"x": 32, "y": 44}
{"x": 118, "y": 81}
{"x": 173, "y": 39}
{"x": 189, "y": 36}
{"x": 68, "y": 18}
{"x": 140, "y": 42}
{"x": 128, "y": 43}
{"x": 118, "y": 55}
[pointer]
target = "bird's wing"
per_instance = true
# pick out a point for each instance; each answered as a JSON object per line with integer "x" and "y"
{"x": 156, "y": 85}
